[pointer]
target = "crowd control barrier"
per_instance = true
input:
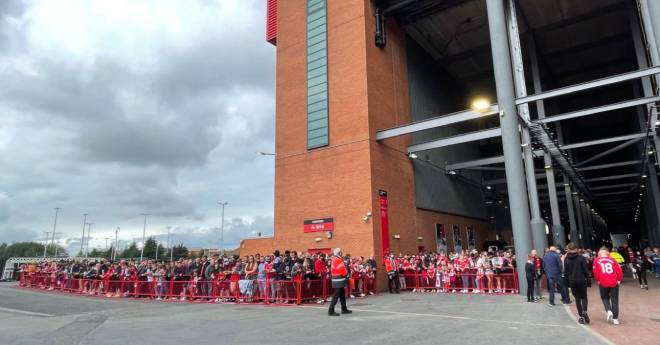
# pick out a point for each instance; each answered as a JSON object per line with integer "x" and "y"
{"x": 470, "y": 281}
{"x": 269, "y": 291}
{"x": 266, "y": 291}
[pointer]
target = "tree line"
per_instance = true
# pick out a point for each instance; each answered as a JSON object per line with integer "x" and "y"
{"x": 36, "y": 249}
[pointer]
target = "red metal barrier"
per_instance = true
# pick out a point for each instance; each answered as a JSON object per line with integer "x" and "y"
{"x": 469, "y": 281}
{"x": 268, "y": 291}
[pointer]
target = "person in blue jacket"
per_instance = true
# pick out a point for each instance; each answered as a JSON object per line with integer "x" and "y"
{"x": 553, "y": 267}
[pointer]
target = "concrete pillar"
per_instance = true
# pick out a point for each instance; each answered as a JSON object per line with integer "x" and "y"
{"x": 558, "y": 233}
{"x": 571, "y": 211}
{"x": 515, "y": 177}
{"x": 539, "y": 237}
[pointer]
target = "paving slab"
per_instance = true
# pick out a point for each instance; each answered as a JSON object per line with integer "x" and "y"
{"x": 639, "y": 313}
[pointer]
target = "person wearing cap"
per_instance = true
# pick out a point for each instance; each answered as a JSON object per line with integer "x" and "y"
{"x": 339, "y": 274}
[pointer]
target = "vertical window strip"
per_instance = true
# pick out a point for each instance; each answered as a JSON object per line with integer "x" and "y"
{"x": 317, "y": 75}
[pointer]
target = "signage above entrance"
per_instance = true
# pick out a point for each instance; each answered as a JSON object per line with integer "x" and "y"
{"x": 322, "y": 224}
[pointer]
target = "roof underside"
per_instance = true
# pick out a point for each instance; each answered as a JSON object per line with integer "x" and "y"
{"x": 576, "y": 41}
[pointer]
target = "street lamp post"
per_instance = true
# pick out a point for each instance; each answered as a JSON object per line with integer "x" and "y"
{"x": 144, "y": 232}
{"x": 169, "y": 244}
{"x": 82, "y": 239}
{"x": 46, "y": 241}
{"x": 157, "y": 245}
{"x": 89, "y": 234}
{"x": 57, "y": 211}
{"x": 114, "y": 249}
{"x": 222, "y": 226}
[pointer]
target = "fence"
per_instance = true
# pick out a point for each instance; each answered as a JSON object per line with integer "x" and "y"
{"x": 469, "y": 281}
{"x": 296, "y": 291}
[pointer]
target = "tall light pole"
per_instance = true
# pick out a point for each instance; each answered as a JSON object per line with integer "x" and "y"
{"x": 114, "y": 249}
{"x": 89, "y": 233}
{"x": 169, "y": 244}
{"x": 56, "y": 234}
{"x": 46, "y": 241}
{"x": 222, "y": 226}
{"x": 144, "y": 232}
{"x": 82, "y": 239}
{"x": 157, "y": 245}
{"x": 57, "y": 211}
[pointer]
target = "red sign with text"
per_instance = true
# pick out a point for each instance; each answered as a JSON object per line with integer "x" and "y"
{"x": 384, "y": 223}
{"x": 314, "y": 225}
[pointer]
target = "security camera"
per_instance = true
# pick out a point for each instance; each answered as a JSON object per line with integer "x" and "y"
{"x": 365, "y": 219}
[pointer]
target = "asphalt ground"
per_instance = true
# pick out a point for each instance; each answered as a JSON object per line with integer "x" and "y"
{"x": 29, "y": 316}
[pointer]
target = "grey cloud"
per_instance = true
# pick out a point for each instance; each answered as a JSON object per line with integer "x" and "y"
{"x": 168, "y": 129}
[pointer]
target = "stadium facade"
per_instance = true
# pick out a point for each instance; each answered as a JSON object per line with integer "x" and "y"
{"x": 408, "y": 125}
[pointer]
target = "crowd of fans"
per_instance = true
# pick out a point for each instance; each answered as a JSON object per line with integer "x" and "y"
{"x": 465, "y": 271}
{"x": 260, "y": 276}
{"x": 265, "y": 277}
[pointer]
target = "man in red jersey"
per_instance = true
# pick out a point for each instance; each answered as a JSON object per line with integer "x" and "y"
{"x": 608, "y": 275}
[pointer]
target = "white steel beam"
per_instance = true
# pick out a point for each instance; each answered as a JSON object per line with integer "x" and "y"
{"x": 610, "y": 165}
{"x": 434, "y": 122}
{"x": 613, "y": 177}
{"x": 475, "y": 163}
{"x": 603, "y": 141}
{"x": 613, "y": 193}
{"x": 503, "y": 180}
{"x": 613, "y": 186}
{"x": 457, "y": 139}
{"x": 590, "y": 85}
{"x": 596, "y": 110}
{"x": 607, "y": 152}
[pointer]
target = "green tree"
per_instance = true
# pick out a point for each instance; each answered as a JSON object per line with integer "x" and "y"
{"x": 179, "y": 251}
{"x": 150, "y": 249}
{"x": 26, "y": 249}
{"x": 97, "y": 253}
{"x": 131, "y": 252}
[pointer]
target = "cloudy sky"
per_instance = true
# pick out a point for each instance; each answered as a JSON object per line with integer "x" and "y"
{"x": 116, "y": 108}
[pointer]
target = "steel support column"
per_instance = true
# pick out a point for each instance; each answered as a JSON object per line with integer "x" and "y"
{"x": 590, "y": 225}
{"x": 651, "y": 20}
{"x": 510, "y": 137}
{"x": 539, "y": 238}
{"x": 654, "y": 198}
{"x": 571, "y": 212}
{"x": 580, "y": 225}
{"x": 585, "y": 223}
{"x": 650, "y": 10}
{"x": 558, "y": 232}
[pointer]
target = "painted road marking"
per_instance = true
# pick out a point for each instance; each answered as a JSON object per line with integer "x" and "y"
{"x": 456, "y": 317}
{"x": 25, "y": 312}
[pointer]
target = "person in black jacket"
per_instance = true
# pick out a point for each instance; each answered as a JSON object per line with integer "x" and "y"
{"x": 530, "y": 274}
{"x": 577, "y": 271}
